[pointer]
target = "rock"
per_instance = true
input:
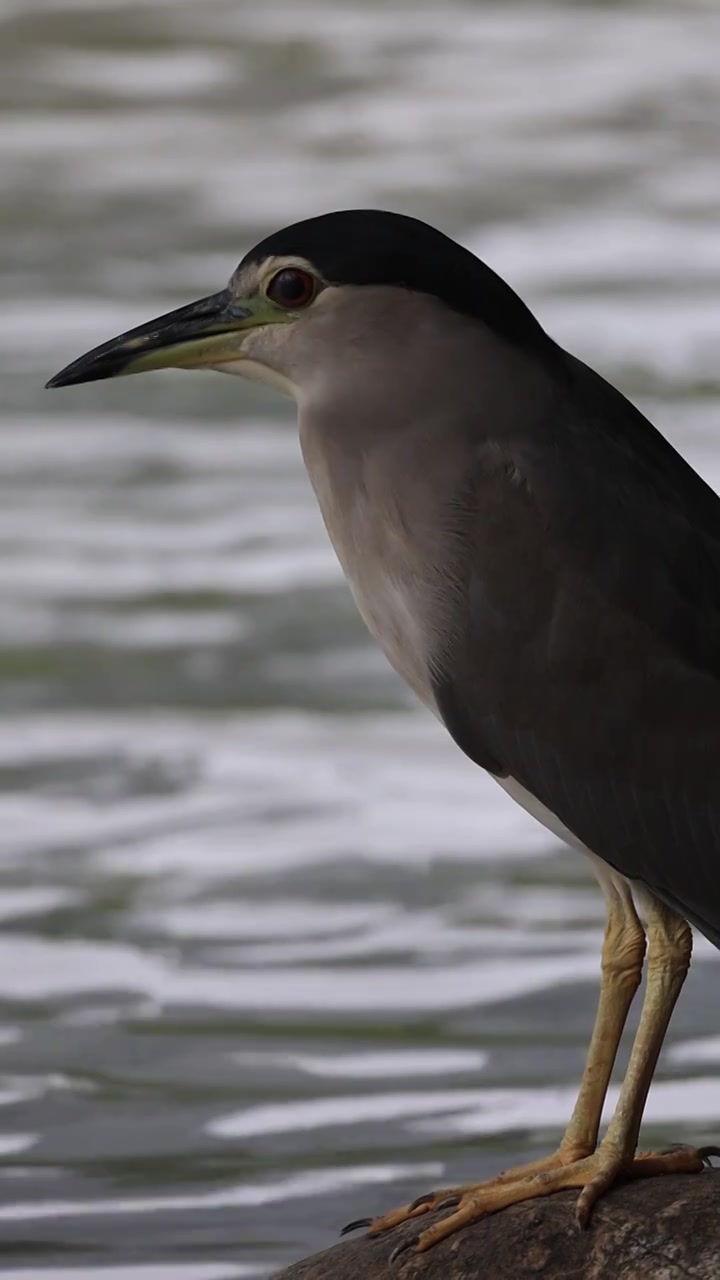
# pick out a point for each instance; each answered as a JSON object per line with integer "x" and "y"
{"x": 665, "y": 1228}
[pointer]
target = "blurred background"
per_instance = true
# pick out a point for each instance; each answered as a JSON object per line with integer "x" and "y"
{"x": 274, "y": 955}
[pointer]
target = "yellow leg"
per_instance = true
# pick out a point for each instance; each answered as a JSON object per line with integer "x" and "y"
{"x": 621, "y": 971}
{"x": 622, "y": 961}
{"x": 578, "y": 1163}
{"x": 669, "y": 951}
{"x": 669, "y": 948}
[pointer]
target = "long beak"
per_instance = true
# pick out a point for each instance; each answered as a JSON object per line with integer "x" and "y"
{"x": 201, "y": 334}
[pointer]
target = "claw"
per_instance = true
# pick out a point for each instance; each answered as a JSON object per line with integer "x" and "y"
{"x": 429, "y": 1195}
{"x": 356, "y": 1225}
{"x": 450, "y": 1202}
{"x": 402, "y": 1248}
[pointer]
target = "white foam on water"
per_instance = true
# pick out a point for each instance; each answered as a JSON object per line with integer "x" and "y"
{"x": 316, "y": 1182}
{"x": 392, "y": 790}
{"x": 13, "y": 1144}
{"x": 383, "y": 1065}
{"x": 670, "y": 1102}
{"x": 35, "y": 969}
{"x": 321, "y": 1113}
{"x": 701, "y": 1050}
{"x": 471, "y": 1111}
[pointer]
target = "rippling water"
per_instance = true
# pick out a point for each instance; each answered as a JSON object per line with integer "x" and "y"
{"x": 274, "y": 955}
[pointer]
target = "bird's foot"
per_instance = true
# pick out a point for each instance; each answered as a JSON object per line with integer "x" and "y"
{"x": 433, "y": 1201}
{"x": 593, "y": 1173}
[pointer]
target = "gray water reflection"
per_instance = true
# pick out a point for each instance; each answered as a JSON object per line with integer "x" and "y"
{"x": 273, "y": 954}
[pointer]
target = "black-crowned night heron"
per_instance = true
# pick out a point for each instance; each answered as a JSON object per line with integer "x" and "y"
{"x": 541, "y": 567}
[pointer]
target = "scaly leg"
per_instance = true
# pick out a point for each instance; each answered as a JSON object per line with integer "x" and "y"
{"x": 669, "y": 952}
{"x": 622, "y": 959}
{"x": 623, "y": 953}
{"x": 670, "y": 944}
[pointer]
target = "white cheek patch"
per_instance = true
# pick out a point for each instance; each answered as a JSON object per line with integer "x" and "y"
{"x": 234, "y": 367}
{"x": 257, "y": 372}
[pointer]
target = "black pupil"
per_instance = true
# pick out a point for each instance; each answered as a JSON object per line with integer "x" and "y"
{"x": 291, "y": 287}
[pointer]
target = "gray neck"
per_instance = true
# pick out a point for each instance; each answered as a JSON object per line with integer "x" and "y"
{"x": 391, "y": 445}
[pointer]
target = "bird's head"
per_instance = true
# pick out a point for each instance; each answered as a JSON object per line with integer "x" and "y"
{"x": 310, "y": 295}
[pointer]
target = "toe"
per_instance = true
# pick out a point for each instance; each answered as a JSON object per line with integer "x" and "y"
{"x": 447, "y": 1226}
{"x": 421, "y": 1200}
{"x": 450, "y": 1202}
{"x": 431, "y": 1200}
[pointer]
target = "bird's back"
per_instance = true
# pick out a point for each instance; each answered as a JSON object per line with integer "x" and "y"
{"x": 584, "y": 656}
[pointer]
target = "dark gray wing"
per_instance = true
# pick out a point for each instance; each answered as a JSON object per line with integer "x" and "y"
{"x": 585, "y": 651}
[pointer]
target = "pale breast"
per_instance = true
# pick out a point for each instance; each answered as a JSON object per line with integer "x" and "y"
{"x": 392, "y": 610}
{"x": 382, "y": 561}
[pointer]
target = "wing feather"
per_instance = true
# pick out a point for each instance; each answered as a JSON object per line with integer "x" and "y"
{"x": 585, "y": 652}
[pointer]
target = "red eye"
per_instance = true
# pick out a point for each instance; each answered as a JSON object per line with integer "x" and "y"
{"x": 291, "y": 287}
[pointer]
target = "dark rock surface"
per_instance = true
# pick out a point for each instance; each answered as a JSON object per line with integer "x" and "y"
{"x": 662, "y": 1229}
